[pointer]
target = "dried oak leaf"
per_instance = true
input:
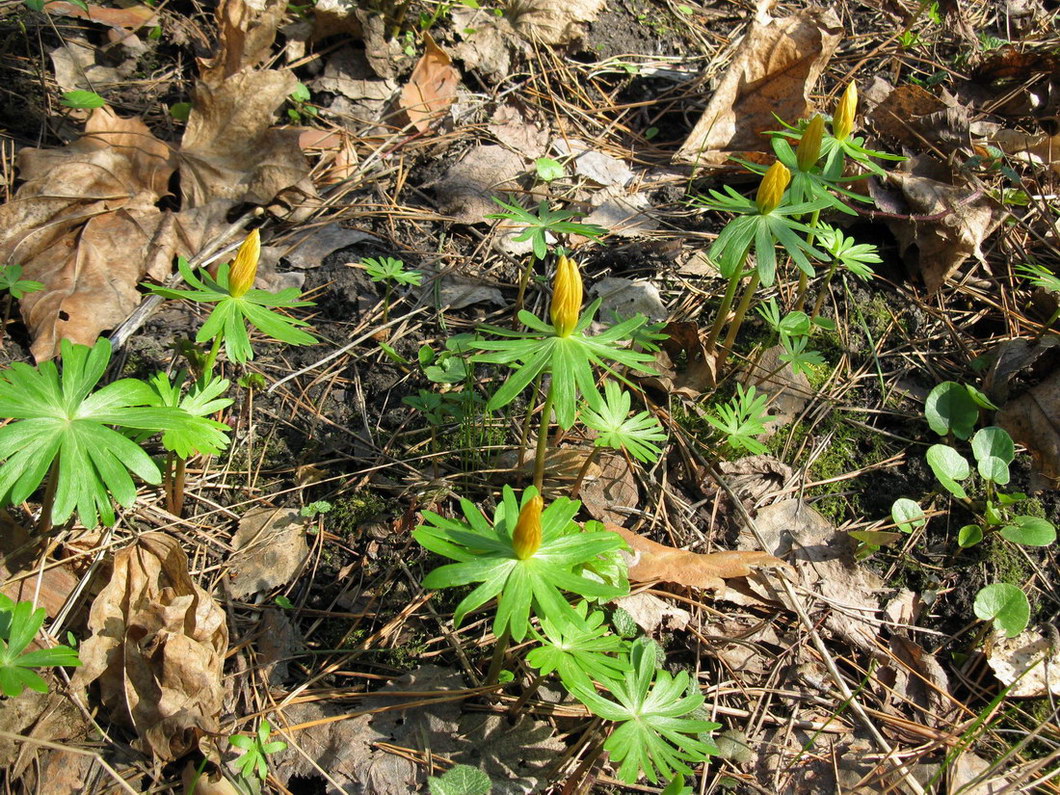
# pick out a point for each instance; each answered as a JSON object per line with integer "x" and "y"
{"x": 85, "y": 224}
{"x": 270, "y": 550}
{"x": 775, "y": 69}
{"x": 653, "y": 561}
{"x": 431, "y": 88}
{"x": 157, "y": 648}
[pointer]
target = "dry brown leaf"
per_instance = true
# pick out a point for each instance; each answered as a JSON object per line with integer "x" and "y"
{"x": 774, "y": 72}
{"x": 123, "y": 21}
{"x": 788, "y": 391}
{"x": 85, "y": 224}
{"x": 651, "y": 613}
{"x": 246, "y": 36}
{"x": 653, "y": 561}
{"x": 683, "y": 343}
{"x": 612, "y": 494}
{"x": 554, "y": 21}
{"x": 959, "y": 221}
{"x": 270, "y": 549}
{"x": 431, "y": 88}
{"x": 489, "y": 44}
{"x": 1032, "y": 420}
{"x": 157, "y": 648}
{"x": 465, "y": 190}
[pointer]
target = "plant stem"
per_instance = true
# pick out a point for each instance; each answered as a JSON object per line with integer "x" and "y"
{"x": 175, "y": 469}
{"x": 577, "y": 487}
{"x": 737, "y": 320}
{"x": 498, "y": 657}
{"x": 386, "y": 303}
{"x": 1048, "y": 324}
{"x": 48, "y": 502}
{"x": 804, "y": 278}
{"x": 524, "y": 434}
{"x": 726, "y": 305}
{"x": 542, "y": 438}
{"x": 526, "y": 696}
{"x": 211, "y": 358}
{"x": 524, "y": 280}
{"x": 824, "y": 289}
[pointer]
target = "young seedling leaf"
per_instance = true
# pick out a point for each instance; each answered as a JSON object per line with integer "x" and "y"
{"x": 1005, "y": 605}
{"x": 949, "y": 466}
{"x": 951, "y": 409}
{"x": 460, "y": 780}
{"x": 548, "y": 169}
{"x": 83, "y": 99}
{"x": 907, "y": 515}
{"x": 993, "y": 450}
{"x": 969, "y": 536}
{"x": 1030, "y": 531}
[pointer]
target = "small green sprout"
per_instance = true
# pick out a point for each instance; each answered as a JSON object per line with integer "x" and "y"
{"x": 545, "y": 222}
{"x": 742, "y": 419}
{"x": 390, "y": 271}
{"x": 253, "y": 762}
{"x": 19, "y": 624}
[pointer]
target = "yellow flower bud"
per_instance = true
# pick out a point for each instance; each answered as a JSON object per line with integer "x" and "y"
{"x": 527, "y": 536}
{"x": 566, "y": 297}
{"x": 809, "y": 151}
{"x": 843, "y": 121}
{"x": 771, "y": 190}
{"x": 245, "y": 266}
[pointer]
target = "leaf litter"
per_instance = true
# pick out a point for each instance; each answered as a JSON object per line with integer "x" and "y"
{"x": 749, "y": 635}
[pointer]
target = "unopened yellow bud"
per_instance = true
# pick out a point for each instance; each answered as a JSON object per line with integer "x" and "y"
{"x": 771, "y": 190}
{"x": 809, "y": 151}
{"x": 245, "y": 266}
{"x": 843, "y": 121}
{"x": 566, "y": 297}
{"x": 527, "y": 536}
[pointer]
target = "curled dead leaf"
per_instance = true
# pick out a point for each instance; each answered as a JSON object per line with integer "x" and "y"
{"x": 773, "y": 73}
{"x": 653, "y": 561}
{"x": 431, "y": 88}
{"x": 157, "y": 648}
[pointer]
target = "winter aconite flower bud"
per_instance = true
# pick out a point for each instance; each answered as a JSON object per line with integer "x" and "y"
{"x": 527, "y": 536}
{"x": 809, "y": 151}
{"x": 566, "y": 297}
{"x": 843, "y": 121}
{"x": 771, "y": 190}
{"x": 245, "y": 266}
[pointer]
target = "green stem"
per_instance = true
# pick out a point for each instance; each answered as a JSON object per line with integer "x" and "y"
{"x": 498, "y": 657}
{"x": 211, "y": 358}
{"x": 44, "y": 525}
{"x": 524, "y": 434}
{"x": 1048, "y": 324}
{"x": 542, "y": 438}
{"x": 726, "y": 305}
{"x": 524, "y": 280}
{"x": 175, "y": 474}
{"x": 804, "y": 279}
{"x": 824, "y": 289}
{"x": 737, "y": 320}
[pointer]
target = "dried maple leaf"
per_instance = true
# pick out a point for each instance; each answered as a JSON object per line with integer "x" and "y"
{"x": 431, "y": 88}
{"x": 653, "y": 561}
{"x": 157, "y": 648}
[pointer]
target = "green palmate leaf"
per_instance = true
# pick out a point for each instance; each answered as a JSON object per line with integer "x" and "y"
{"x": 655, "y": 736}
{"x": 742, "y": 419}
{"x": 486, "y": 555}
{"x": 207, "y": 436}
{"x": 231, "y": 314}
{"x": 12, "y": 281}
{"x": 538, "y": 226}
{"x": 389, "y": 269}
{"x": 252, "y": 763}
{"x": 19, "y": 624}
{"x": 569, "y": 360}
{"x": 951, "y": 409}
{"x": 753, "y": 231}
{"x": 1005, "y": 605}
{"x": 62, "y": 423}
{"x": 858, "y": 258}
{"x": 580, "y": 653}
{"x": 949, "y": 467}
{"x": 994, "y": 451}
{"x": 619, "y": 431}
{"x": 1031, "y": 531}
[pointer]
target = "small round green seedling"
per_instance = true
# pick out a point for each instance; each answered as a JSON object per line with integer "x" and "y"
{"x": 907, "y": 515}
{"x": 951, "y": 409}
{"x": 1030, "y": 531}
{"x": 1005, "y": 605}
{"x": 949, "y": 467}
{"x": 993, "y": 450}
